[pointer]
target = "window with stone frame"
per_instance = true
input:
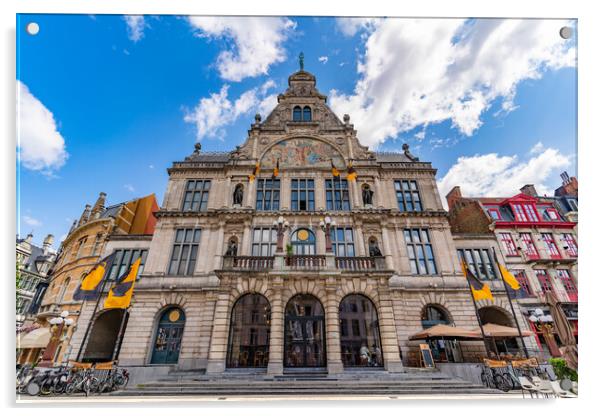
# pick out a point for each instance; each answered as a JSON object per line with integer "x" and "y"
{"x": 196, "y": 195}
{"x": 264, "y": 241}
{"x": 123, "y": 259}
{"x": 408, "y": 195}
{"x": 550, "y": 245}
{"x": 302, "y": 195}
{"x": 420, "y": 251}
{"x": 268, "y": 195}
{"x": 337, "y": 194}
{"x": 568, "y": 283}
{"x": 184, "y": 252}
{"x": 342, "y": 241}
{"x": 544, "y": 280}
{"x": 80, "y": 247}
{"x": 570, "y": 245}
{"x": 479, "y": 262}
{"x": 508, "y": 244}
{"x": 530, "y": 249}
{"x": 522, "y": 279}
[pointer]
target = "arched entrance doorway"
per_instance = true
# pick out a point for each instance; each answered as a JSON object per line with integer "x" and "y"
{"x": 493, "y": 315}
{"x": 249, "y": 340}
{"x": 304, "y": 333}
{"x": 168, "y": 339}
{"x": 442, "y": 350}
{"x": 104, "y": 342}
{"x": 360, "y": 334}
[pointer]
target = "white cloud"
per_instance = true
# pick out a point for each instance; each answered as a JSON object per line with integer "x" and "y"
{"x": 257, "y": 43}
{"x": 323, "y": 59}
{"x": 129, "y": 187}
{"x": 151, "y": 166}
{"x": 349, "y": 26}
{"x": 494, "y": 175}
{"x": 32, "y": 222}
{"x": 40, "y": 146}
{"x": 215, "y": 112}
{"x": 418, "y": 72}
{"x": 135, "y": 27}
{"x": 538, "y": 148}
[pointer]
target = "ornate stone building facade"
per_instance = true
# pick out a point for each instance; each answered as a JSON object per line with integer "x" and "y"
{"x": 294, "y": 269}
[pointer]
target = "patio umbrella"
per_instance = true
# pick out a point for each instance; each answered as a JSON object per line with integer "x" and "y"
{"x": 564, "y": 330}
{"x": 502, "y": 331}
{"x": 446, "y": 332}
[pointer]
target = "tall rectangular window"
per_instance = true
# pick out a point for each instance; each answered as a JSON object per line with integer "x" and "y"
{"x": 264, "y": 241}
{"x": 268, "y": 195}
{"x": 80, "y": 248}
{"x": 531, "y": 213}
{"x": 530, "y": 249}
{"x": 342, "y": 241}
{"x": 544, "y": 280}
{"x": 302, "y": 195}
{"x": 479, "y": 262}
{"x": 570, "y": 244}
{"x": 420, "y": 251}
{"x": 519, "y": 213}
{"x": 337, "y": 195}
{"x": 184, "y": 252}
{"x": 522, "y": 279}
{"x": 550, "y": 245}
{"x": 508, "y": 244}
{"x": 124, "y": 259}
{"x": 196, "y": 195}
{"x": 408, "y": 196}
{"x": 569, "y": 285}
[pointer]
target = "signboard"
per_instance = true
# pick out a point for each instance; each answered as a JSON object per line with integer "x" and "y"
{"x": 426, "y": 358}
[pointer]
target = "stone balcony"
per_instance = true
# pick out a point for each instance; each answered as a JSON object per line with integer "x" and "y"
{"x": 315, "y": 262}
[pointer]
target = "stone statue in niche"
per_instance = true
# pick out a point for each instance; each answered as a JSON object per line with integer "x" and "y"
{"x": 373, "y": 249}
{"x": 232, "y": 248}
{"x": 367, "y": 195}
{"x": 238, "y": 195}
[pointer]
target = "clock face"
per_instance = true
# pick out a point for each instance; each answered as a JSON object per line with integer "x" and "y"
{"x": 303, "y": 235}
{"x": 174, "y": 315}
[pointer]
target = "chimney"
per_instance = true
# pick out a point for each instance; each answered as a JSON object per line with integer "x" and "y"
{"x": 85, "y": 215}
{"x": 529, "y": 190}
{"x": 99, "y": 206}
{"x": 48, "y": 243}
{"x": 565, "y": 178}
{"x": 453, "y": 196}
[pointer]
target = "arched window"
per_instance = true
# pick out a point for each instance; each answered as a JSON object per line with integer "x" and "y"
{"x": 104, "y": 336}
{"x": 434, "y": 315}
{"x": 304, "y": 332}
{"x": 306, "y": 113}
{"x": 249, "y": 340}
{"x": 297, "y": 113}
{"x": 303, "y": 242}
{"x": 360, "y": 334}
{"x": 63, "y": 291}
{"x": 168, "y": 339}
{"x": 497, "y": 316}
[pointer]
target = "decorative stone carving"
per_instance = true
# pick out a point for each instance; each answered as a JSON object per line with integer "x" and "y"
{"x": 302, "y": 152}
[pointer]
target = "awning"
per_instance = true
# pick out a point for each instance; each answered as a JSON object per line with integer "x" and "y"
{"x": 448, "y": 332}
{"x": 502, "y": 331}
{"x": 38, "y": 338}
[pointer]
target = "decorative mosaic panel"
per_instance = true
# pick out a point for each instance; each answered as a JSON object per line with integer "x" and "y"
{"x": 302, "y": 152}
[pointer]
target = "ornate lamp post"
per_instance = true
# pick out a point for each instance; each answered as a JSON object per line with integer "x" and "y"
{"x": 281, "y": 224}
{"x": 57, "y": 325}
{"x": 325, "y": 225}
{"x": 543, "y": 323}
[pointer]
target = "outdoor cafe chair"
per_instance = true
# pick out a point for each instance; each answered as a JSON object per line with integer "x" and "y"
{"x": 543, "y": 386}
{"x": 526, "y": 385}
{"x": 559, "y": 391}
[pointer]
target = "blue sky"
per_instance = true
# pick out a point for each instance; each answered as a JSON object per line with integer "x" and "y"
{"x": 106, "y": 103}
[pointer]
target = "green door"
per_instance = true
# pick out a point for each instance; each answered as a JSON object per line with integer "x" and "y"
{"x": 166, "y": 349}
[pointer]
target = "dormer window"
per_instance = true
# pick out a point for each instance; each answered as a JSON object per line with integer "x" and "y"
{"x": 494, "y": 214}
{"x": 552, "y": 214}
{"x": 297, "y": 113}
{"x": 525, "y": 212}
{"x": 306, "y": 113}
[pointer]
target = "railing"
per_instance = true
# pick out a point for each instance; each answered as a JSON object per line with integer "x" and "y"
{"x": 248, "y": 262}
{"x": 360, "y": 263}
{"x": 311, "y": 262}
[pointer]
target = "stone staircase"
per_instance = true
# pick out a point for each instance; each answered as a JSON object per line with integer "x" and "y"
{"x": 350, "y": 383}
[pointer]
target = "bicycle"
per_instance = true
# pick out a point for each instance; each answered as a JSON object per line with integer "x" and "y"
{"x": 82, "y": 381}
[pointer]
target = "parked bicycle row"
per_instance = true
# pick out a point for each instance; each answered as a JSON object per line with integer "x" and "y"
{"x": 72, "y": 379}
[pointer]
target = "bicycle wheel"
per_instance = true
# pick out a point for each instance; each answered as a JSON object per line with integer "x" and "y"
{"x": 501, "y": 383}
{"x": 32, "y": 388}
{"x": 46, "y": 387}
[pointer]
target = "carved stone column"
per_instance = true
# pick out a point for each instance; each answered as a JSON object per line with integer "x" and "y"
{"x": 333, "y": 339}
{"x": 217, "y": 260}
{"x": 251, "y": 190}
{"x": 388, "y": 332}
{"x": 219, "y": 335}
{"x": 276, "y": 360}
{"x": 387, "y": 248}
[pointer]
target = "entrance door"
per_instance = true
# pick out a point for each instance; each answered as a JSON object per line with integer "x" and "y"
{"x": 304, "y": 340}
{"x": 169, "y": 337}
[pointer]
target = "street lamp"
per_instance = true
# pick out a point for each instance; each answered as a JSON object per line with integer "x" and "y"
{"x": 325, "y": 225}
{"x": 280, "y": 224}
{"x": 57, "y": 325}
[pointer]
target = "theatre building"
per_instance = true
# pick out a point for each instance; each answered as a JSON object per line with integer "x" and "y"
{"x": 297, "y": 269}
